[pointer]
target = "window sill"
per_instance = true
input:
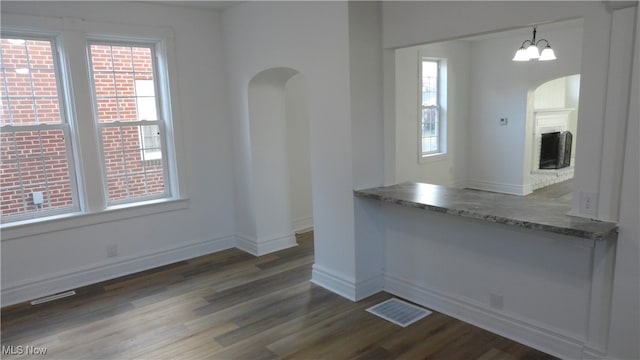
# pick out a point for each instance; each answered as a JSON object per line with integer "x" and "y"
{"x": 62, "y": 222}
{"x": 425, "y": 159}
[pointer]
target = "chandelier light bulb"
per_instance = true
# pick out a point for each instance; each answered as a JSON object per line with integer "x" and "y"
{"x": 547, "y": 54}
{"x": 533, "y": 52}
{"x": 521, "y": 55}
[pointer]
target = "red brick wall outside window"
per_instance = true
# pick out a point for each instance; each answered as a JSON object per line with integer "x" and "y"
{"x": 37, "y": 159}
{"x": 33, "y": 146}
{"x": 128, "y": 122}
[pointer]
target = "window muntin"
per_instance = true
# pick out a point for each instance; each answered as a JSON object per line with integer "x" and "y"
{"x": 36, "y": 167}
{"x": 127, "y": 117}
{"x": 430, "y": 124}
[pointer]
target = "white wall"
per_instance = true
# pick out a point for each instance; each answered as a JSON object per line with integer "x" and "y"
{"x": 413, "y": 23}
{"x": 365, "y": 59}
{"x": 434, "y": 260}
{"x": 500, "y": 156}
{"x": 298, "y": 152}
{"x": 404, "y": 25}
{"x": 36, "y": 265}
{"x": 311, "y": 38}
{"x": 280, "y": 160}
{"x": 451, "y": 168}
{"x": 270, "y": 162}
{"x": 625, "y": 314}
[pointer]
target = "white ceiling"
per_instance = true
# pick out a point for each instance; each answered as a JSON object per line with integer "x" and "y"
{"x": 527, "y": 31}
{"x": 208, "y": 5}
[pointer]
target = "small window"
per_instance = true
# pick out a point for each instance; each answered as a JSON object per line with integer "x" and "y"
{"x": 36, "y": 168}
{"x": 130, "y": 122}
{"x": 430, "y": 122}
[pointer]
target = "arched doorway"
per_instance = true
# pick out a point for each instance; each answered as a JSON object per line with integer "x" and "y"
{"x": 552, "y": 111}
{"x": 280, "y": 157}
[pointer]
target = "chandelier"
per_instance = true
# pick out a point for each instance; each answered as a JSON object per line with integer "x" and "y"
{"x": 529, "y": 50}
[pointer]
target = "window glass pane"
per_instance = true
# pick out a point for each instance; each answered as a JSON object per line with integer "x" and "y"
{"x": 121, "y": 56}
{"x": 48, "y": 111}
{"x": 127, "y": 109}
{"x": 430, "y": 131}
{"x": 104, "y": 84}
{"x": 123, "y": 83}
{"x": 429, "y": 119}
{"x": 429, "y": 83}
{"x": 44, "y": 83}
{"x": 142, "y": 60}
{"x": 125, "y": 91}
{"x": 29, "y": 92}
{"x": 101, "y": 57}
{"x": 34, "y": 164}
{"x": 40, "y": 54}
{"x": 35, "y": 172}
{"x": 133, "y": 161}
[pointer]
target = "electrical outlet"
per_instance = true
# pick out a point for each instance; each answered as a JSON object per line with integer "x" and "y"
{"x": 496, "y": 301}
{"x": 112, "y": 250}
{"x": 588, "y": 203}
{"x": 37, "y": 197}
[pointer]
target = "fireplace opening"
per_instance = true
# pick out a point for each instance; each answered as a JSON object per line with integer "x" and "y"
{"x": 555, "y": 150}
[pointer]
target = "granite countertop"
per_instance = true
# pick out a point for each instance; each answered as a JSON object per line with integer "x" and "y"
{"x": 538, "y": 214}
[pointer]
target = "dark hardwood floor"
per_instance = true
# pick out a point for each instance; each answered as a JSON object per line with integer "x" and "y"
{"x": 231, "y": 305}
{"x": 560, "y": 192}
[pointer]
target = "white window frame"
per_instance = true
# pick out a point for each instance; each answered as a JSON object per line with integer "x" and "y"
{"x": 160, "y": 122}
{"x": 72, "y": 35}
{"x": 441, "y": 124}
{"x": 65, "y": 125}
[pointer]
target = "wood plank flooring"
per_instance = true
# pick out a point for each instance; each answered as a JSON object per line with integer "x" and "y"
{"x": 231, "y": 305}
{"x": 560, "y": 192}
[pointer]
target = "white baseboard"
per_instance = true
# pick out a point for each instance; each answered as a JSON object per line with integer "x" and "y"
{"x": 302, "y": 224}
{"x": 369, "y": 287}
{"x": 590, "y": 352}
{"x": 262, "y": 247}
{"x": 55, "y": 283}
{"x": 333, "y": 282}
{"x": 346, "y": 288}
{"x": 459, "y": 184}
{"x": 538, "y": 336}
{"x": 513, "y": 189}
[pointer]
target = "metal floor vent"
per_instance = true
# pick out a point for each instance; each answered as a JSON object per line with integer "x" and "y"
{"x": 399, "y": 312}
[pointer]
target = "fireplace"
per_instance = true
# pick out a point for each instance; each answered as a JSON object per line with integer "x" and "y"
{"x": 555, "y": 150}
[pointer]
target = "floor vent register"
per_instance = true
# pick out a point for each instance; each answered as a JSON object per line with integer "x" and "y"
{"x": 399, "y": 312}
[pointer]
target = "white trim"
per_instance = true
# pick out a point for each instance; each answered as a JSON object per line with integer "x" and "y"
{"x": 63, "y": 222}
{"x": 347, "y": 288}
{"x": 258, "y": 247}
{"x": 302, "y": 224}
{"x": 369, "y": 287}
{"x": 432, "y": 158}
{"x": 589, "y": 352}
{"x": 333, "y": 282}
{"x": 71, "y": 35}
{"x": 55, "y": 283}
{"x": 513, "y": 189}
{"x": 540, "y": 336}
{"x": 246, "y": 244}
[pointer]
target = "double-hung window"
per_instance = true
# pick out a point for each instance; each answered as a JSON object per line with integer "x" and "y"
{"x": 37, "y": 169}
{"x": 431, "y": 129}
{"x": 128, "y": 120}
{"x": 50, "y": 131}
